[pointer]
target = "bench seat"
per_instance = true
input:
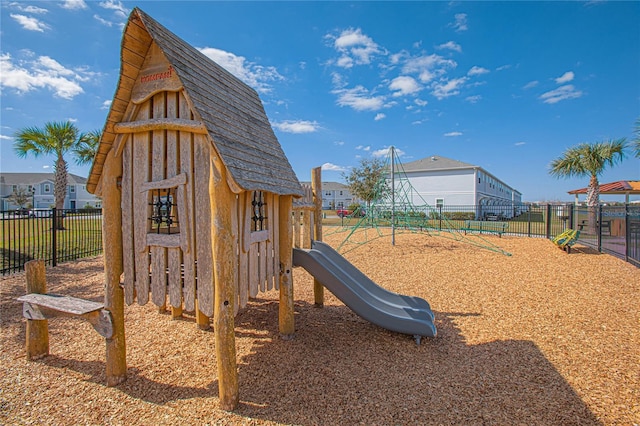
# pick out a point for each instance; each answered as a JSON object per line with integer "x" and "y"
{"x": 45, "y": 306}
{"x": 485, "y": 226}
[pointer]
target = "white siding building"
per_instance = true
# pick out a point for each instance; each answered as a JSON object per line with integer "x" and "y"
{"x": 40, "y": 187}
{"x": 439, "y": 181}
{"x": 336, "y": 195}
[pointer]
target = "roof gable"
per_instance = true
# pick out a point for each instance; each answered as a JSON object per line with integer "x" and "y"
{"x": 231, "y": 111}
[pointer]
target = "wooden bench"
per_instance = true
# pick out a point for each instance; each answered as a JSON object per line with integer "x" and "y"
{"x": 38, "y": 307}
{"x": 45, "y": 306}
{"x": 485, "y": 226}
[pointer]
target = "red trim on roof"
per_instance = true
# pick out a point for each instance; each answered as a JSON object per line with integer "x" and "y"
{"x": 619, "y": 187}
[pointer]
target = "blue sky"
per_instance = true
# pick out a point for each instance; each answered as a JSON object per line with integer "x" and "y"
{"x": 507, "y": 86}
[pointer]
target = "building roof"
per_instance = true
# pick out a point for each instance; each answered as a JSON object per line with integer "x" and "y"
{"x": 620, "y": 187}
{"x": 230, "y": 110}
{"x": 36, "y": 178}
{"x": 435, "y": 162}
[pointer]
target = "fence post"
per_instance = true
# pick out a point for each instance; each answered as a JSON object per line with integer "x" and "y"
{"x": 571, "y": 224}
{"x": 599, "y": 227}
{"x": 548, "y": 221}
{"x": 54, "y": 237}
{"x": 627, "y": 233}
{"x": 529, "y": 221}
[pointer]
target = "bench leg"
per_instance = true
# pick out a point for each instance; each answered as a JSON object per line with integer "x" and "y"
{"x": 37, "y": 344}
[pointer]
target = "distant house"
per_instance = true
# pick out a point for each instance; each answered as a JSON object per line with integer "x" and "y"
{"x": 39, "y": 186}
{"x": 336, "y": 195}
{"x": 440, "y": 181}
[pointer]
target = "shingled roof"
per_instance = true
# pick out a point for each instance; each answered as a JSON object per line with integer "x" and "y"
{"x": 436, "y": 162}
{"x": 231, "y": 110}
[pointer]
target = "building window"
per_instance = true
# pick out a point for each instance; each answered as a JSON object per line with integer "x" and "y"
{"x": 47, "y": 188}
{"x": 14, "y": 188}
{"x": 72, "y": 189}
{"x": 328, "y": 193}
{"x": 258, "y": 212}
{"x": 340, "y": 192}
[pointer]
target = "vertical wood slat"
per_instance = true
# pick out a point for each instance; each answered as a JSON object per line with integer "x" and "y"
{"x": 254, "y": 275}
{"x": 306, "y": 229}
{"x": 276, "y": 240}
{"x": 243, "y": 261}
{"x": 269, "y": 244}
{"x": 296, "y": 228}
{"x": 175, "y": 257}
{"x": 141, "y": 208}
{"x": 186, "y": 166}
{"x": 262, "y": 265}
{"x": 204, "y": 271}
{"x": 126, "y": 205}
{"x": 158, "y": 254}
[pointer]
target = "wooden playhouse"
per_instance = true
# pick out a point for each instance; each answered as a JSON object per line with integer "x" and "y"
{"x": 197, "y": 194}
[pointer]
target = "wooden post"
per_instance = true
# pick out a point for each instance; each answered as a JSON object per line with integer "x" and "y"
{"x": 202, "y": 321}
{"x": 37, "y": 330}
{"x": 316, "y": 186}
{"x": 285, "y": 313}
{"x": 113, "y": 266}
{"x": 224, "y": 275}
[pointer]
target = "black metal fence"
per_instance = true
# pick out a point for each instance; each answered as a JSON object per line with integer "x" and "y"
{"x": 28, "y": 235}
{"x": 53, "y": 235}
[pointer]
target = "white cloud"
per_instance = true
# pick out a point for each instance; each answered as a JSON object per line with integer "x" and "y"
{"x": 452, "y": 134}
{"x": 30, "y": 9}
{"x": 531, "y": 84}
{"x": 339, "y": 143}
{"x": 503, "y": 67}
{"x": 298, "y": 126}
{"x": 256, "y": 76}
{"x": 74, "y": 4}
{"x": 460, "y": 23}
{"x": 44, "y": 72}
{"x": 8, "y": 138}
{"x": 420, "y": 102}
{"x": 448, "y": 88}
{"x": 363, "y": 148}
{"x": 565, "y": 78}
{"x": 560, "y": 94}
{"x": 385, "y": 151}
{"x": 451, "y": 45}
{"x": 333, "y": 167}
{"x": 103, "y": 21}
{"x": 473, "y": 99}
{"x": 358, "y": 98}
{"x": 428, "y": 67}
{"x": 116, "y": 6}
{"x": 475, "y": 70}
{"x": 355, "y": 47}
{"x": 520, "y": 143}
{"x": 29, "y": 23}
{"x": 106, "y": 104}
{"x": 404, "y": 85}
{"x": 379, "y": 116}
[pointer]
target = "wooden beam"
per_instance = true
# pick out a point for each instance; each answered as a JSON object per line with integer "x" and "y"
{"x": 178, "y": 124}
{"x": 316, "y": 187}
{"x": 222, "y": 201}
{"x": 37, "y": 330}
{"x": 285, "y": 313}
{"x": 116, "y": 358}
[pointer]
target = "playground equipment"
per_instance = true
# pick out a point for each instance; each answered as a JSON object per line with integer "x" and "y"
{"x": 395, "y": 312}
{"x": 198, "y": 206}
{"x": 398, "y": 207}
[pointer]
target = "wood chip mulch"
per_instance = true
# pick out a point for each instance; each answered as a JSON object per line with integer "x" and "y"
{"x": 539, "y": 337}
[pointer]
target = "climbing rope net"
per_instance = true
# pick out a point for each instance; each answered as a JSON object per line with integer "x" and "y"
{"x": 399, "y": 208}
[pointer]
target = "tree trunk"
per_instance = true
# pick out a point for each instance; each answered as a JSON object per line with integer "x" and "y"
{"x": 60, "y": 190}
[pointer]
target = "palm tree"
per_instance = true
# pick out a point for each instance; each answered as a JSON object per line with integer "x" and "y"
{"x": 87, "y": 146}
{"x": 59, "y": 139}
{"x": 589, "y": 159}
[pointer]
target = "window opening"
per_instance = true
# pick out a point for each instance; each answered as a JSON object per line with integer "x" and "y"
{"x": 258, "y": 217}
{"x": 163, "y": 218}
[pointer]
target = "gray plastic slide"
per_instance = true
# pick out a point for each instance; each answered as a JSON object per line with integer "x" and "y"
{"x": 395, "y": 312}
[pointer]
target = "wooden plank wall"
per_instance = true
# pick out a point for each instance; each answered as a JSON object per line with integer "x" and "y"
{"x": 185, "y": 276}
{"x": 304, "y": 219}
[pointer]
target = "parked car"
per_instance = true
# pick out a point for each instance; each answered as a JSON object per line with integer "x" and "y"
{"x": 345, "y": 212}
